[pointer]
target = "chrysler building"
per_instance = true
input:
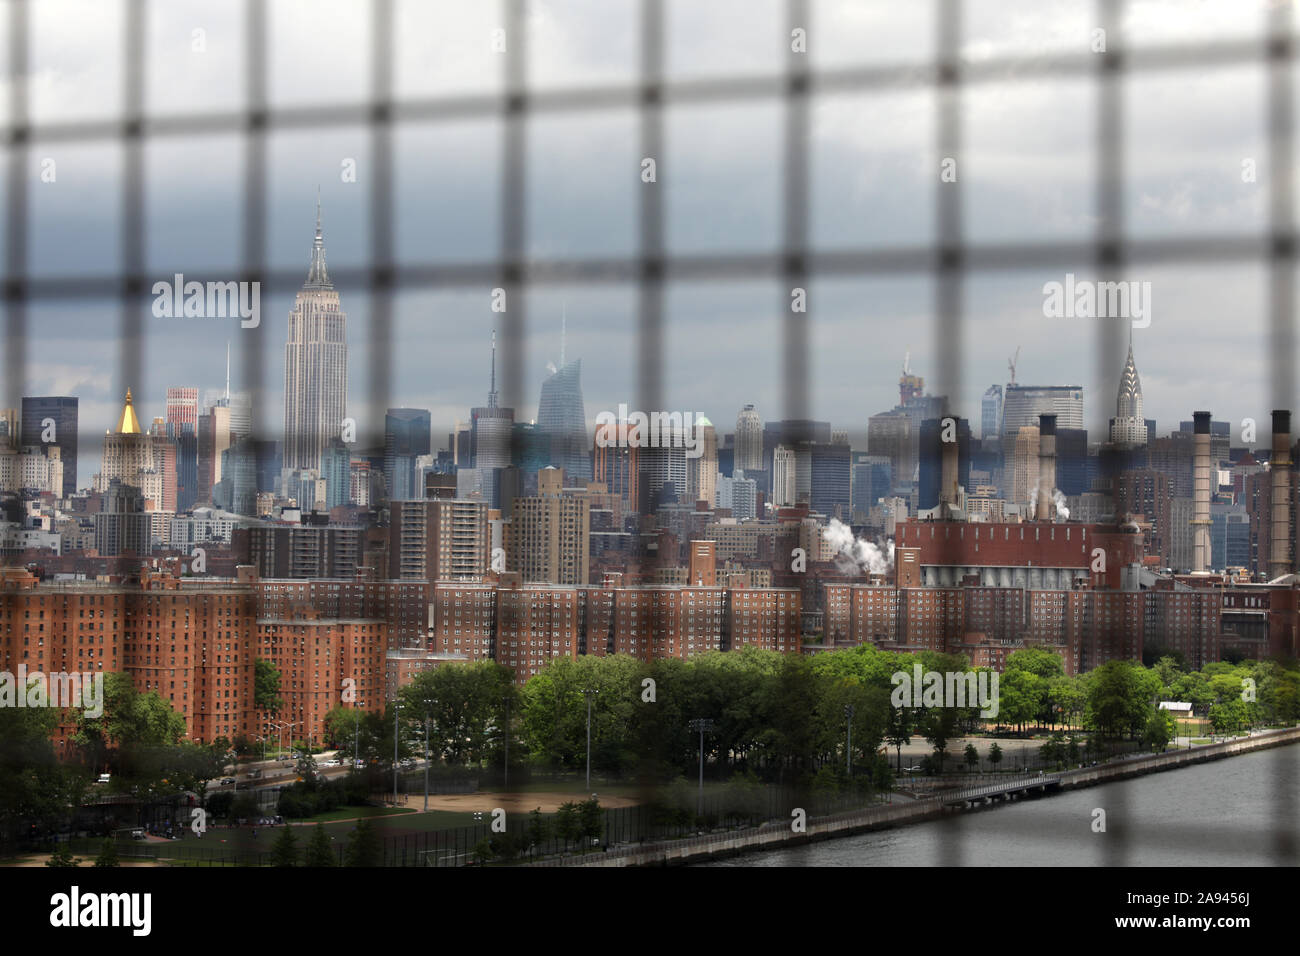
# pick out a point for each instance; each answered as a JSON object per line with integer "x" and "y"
{"x": 1128, "y": 429}
{"x": 315, "y": 366}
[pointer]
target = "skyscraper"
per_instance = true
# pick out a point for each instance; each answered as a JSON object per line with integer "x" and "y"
{"x": 749, "y": 440}
{"x": 562, "y": 416}
{"x": 490, "y": 426}
{"x": 1022, "y": 404}
{"x": 183, "y": 428}
{"x": 991, "y": 413}
{"x": 784, "y": 477}
{"x": 702, "y": 472}
{"x": 549, "y": 535}
{"x": 62, "y": 413}
{"x": 182, "y": 407}
{"x": 143, "y": 460}
{"x": 315, "y": 366}
{"x": 406, "y": 438}
{"x": 1128, "y": 429}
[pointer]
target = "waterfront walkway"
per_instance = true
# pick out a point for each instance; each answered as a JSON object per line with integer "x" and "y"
{"x": 773, "y": 834}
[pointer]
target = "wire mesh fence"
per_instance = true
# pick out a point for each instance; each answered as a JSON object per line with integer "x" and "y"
{"x": 947, "y": 263}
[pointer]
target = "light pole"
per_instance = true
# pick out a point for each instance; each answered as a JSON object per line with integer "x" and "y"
{"x": 428, "y": 704}
{"x": 282, "y": 726}
{"x": 848, "y": 748}
{"x": 397, "y": 714}
{"x": 587, "y": 692}
{"x": 701, "y": 724}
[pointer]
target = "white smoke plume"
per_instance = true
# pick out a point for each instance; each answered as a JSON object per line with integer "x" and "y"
{"x": 1058, "y": 499}
{"x": 1033, "y": 502}
{"x": 852, "y": 551}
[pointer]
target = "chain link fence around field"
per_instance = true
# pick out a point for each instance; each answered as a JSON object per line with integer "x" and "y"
{"x": 949, "y": 261}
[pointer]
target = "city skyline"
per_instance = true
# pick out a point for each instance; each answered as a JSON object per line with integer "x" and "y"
{"x": 1186, "y": 179}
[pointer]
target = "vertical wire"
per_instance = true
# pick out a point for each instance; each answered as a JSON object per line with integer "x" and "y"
{"x": 514, "y": 164}
{"x": 650, "y": 282}
{"x": 15, "y": 292}
{"x": 1109, "y": 157}
{"x": 948, "y": 331}
{"x": 253, "y": 359}
{"x": 130, "y": 336}
{"x": 380, "y": 334}
{"x": 796, "y": 325}
{"x": 1281, "y": 344}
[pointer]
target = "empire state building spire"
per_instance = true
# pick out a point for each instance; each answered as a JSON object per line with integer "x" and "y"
{"x": 317, "y": 275}
{"x": 315, "y": 366}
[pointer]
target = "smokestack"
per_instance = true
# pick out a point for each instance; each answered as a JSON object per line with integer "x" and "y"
{"x": 948, "y": 477}
{"x": 1201, "y": 493}
{"x": 1046, "y": 466}
{"x": 1279, "y": 467}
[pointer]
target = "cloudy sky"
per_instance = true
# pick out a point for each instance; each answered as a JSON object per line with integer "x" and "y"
{"x": 1025, "y": 174}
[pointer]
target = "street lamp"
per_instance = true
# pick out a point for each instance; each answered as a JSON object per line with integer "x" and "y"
{"x": 701, "y": 724}
{"x": 283, "y": 726}
{"x": 587, "y": 692}
{"x": 397, "y": 714}
{"x": 428, "y": 704}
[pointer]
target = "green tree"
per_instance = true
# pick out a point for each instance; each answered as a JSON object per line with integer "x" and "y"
{"x": 62, "y": 856}
{"x": 1022, "y": 696}
{"x": 898, "y": 731}
{"x": 364, "y": 846}
{"x": 938, "y": 724}
{"x": 972, "y": 757}
{"x": 466, "y": 712}
{"x": 539, "y": 828}
{"x": 107, "y": 853}
{"x": 319, "y": 850}
{"x": 266, "y": 686}
{"x": 568, "y": 822}
{"x": 995, "y": 755}
{"x": 1158, "y": 731}
{"x": 284, "y": 852}
{"x": 1120, "y": 696}
{"x": 1067, "y": 699}
{"x": 591, "y": 819}
{"x": 36, "y": 790}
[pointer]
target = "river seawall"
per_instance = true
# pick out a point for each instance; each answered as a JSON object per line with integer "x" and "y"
{"x": 780, "y": 834}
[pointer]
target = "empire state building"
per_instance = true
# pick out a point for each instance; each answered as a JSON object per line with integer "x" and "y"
{"x": 315, "y": 366}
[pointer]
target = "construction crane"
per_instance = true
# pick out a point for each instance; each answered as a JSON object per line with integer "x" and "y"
{"x": 1011, "y": 364}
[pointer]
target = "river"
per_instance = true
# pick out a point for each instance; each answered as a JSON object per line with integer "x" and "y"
{"x": 1240, "y": 811}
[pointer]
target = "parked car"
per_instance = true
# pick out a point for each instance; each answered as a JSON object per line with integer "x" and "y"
{"x": 225, "y": 781}
{"x": 104, "y": 778}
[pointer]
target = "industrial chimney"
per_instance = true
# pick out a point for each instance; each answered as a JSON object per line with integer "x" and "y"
{"x": 1201, "y": 493}
{"x": 1279, "y": 467}
{"x": 1046, "y": 467}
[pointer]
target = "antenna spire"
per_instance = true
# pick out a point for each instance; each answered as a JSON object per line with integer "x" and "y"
{"x": 564, "y": 318}
{"x": 492, "y": 393}
{"x": 227, "y": 370}
{"x": 317, "y": 275}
